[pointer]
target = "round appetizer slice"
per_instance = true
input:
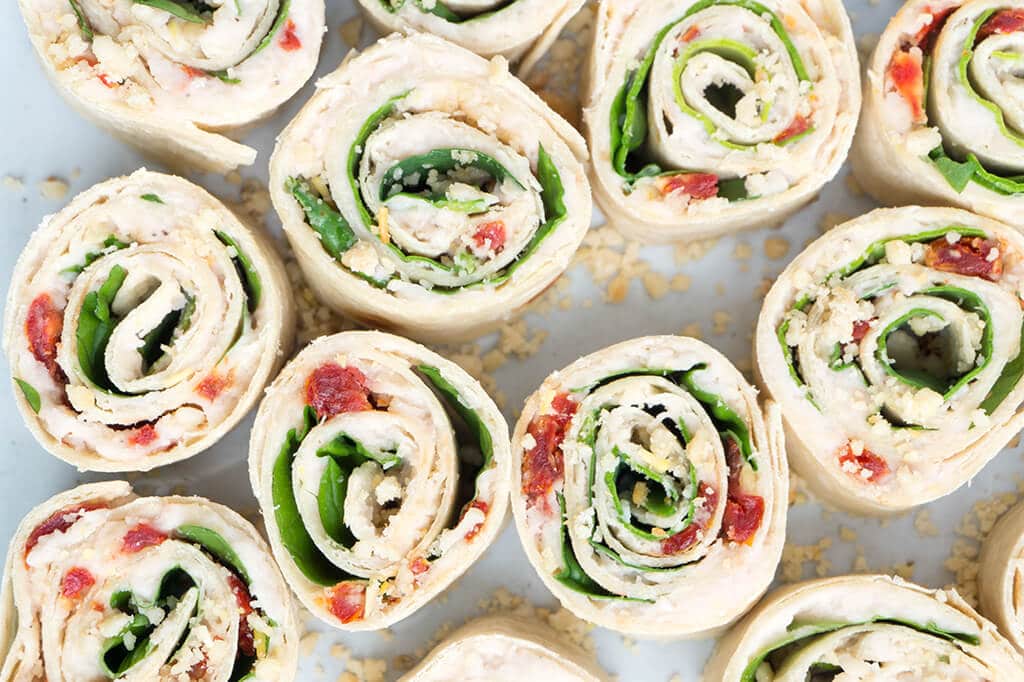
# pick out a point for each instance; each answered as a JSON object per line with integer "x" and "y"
{"x": 100, "y": 584}
{"x": 382, "y": 472}
{"x": 142, "y": 322}
{"x": 943, "y": 119}
{"x": 515, "y": 29}
{"x": 1001, "y": 579}
{"x": 865, "y": 627}
{"x": 503, "y": 649}
{"x": 893, "y": 346}
{"x": 646, "y": 480}
{"x": 711, "y": 116}
{"x": 170, "y": 76}
{"x": 427, "y": 191}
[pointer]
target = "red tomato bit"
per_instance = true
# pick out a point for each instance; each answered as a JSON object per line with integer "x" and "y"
{"x": 347, "y": 601}
{"x": 212, "y": 386}
{"x": 289, "y": 40}
{"x": 690, "y": 34}
{"x": 542, "y": 464}
{"x": 332, "y": 389}
{"x": 43, "y": 326}
{"x": 193, "y": 72}
{"x": 490, "y": 236}
{"x": 419, "y": 566}
{"x": 140, "y": 537}
{"x": 743, "y": 515}
{"x": 58, "y": 522}
{"x": 799, "y": 126}
{"x": 972, "y": 257}
{"x": 475, "y": 530}
{"x": 694, "y": 185}
{"x": 1004, "y": 21}
{"x": 925, "y": 37}
{"x": 866, "y": 466}
{"x": 907, "y": 78}
{"x": 246, "y": 640}
{"x": 681, "y": 541}
{"x": 198, "y": 669}
{"x": 861, "y": 329}
{"x": 142, "y": 436}
{"x": 75, "y": 582}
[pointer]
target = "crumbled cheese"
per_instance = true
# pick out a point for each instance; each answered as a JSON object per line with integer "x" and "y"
{"x": 53, "y": 188}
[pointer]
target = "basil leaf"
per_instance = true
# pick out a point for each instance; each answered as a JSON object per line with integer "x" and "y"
{"x": 192, "y": 12}
{"x": 468, "y": 414}
{"x": 331, "y": 502}
{"x": 246, "y": 270}
{"x": 95, "y": 324}
{"x": 30, "y": 393}
{"x": 1007, "y": 381}
{"x": 154, "y": 198}
{"x": 725, "y": 419}
{"x": 153, "y": 343}
{"x": 282, "y": 14}
{"x": 214, "y": 543}
{"x": 335, "y": 234}
{"x": 296, "y": 539}
{"x": 957, "y": 173}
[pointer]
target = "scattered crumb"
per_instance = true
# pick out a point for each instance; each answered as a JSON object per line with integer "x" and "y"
{"x": 830, "y": 219}
{"x": 847, "y": 534}
{"x": 795, "y": 556}
{"x": 852, "y": 186}
{"x": 14, "y": 183}
{"x": 692, "y": 251}
{"x": 53, "y": 188}
{"x": 721, "y": 321}
{"x": 617, "y": 289}
{"x": 743, "y": 251}
{"x": 656, "y": 285}
{"x": 776, "y": 247}
{"x": 680, "y": 282}
{"x": 692, "y": 329}
{"x": 972, "y": 530}
{"x": 233, "y": 178}
{"x": 924, "y": 525}
{"x": 350, "y": 31}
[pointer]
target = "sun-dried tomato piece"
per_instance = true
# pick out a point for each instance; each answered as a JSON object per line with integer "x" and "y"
{"x": 694, "y": 185}
{"x": 289, "y": 39}
{"x": 198, "y": 669}
{"x": 799, "y": 126}
{"x": 734, "y": 459}
{"x": 475, "y": 530}
{"x": 861, "y": 329}
{"x": 543, "y": 464}
{"x": 973, "y": 257}
{"x": 925, "y": 37}
{"x": 347, "y": 601}
{"x": 743, "y": 515}
{"x": 141, "y": 536}
{"x": 907, "y": 78}
{"x": 419, "y": 566}
{"x": 58, "y": 522}
{"x": 43, "y": 326}
{"x": 681, "y": 541}
{"x": 866, "y": 465}
{"x": 192, "y": 72}
{"x": 490, "y": 235}
{"x": 246, "y": 639}
{"x": 144, "y": 435}
{"x": 75, "y": 582}
{"x": 332, "y": 389}
{"x": 1004, "y": 21}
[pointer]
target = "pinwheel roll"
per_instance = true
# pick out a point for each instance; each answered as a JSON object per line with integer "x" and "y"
{"x": 427, "y": 191}
{"x": 505, "y": 649}
{"x": 893, "y": 346}
{"x": 142, "y": 322}
{"x": 512, "y": 28}
{"x": 101, "y": 584}
{"x": 170, "y": 76}
{"x": 943, "y": 117}
{"x": 865, "y": 627}
{"x": 646, "y": 479}
{"x": 1001, "y": 577}
{"x": 382, "y": 472}
{"x": 712, "y": 116}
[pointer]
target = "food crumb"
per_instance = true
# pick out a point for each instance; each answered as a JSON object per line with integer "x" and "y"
{"x": 618, "y": 287}
{"x": 830, "y": 219}
{"x": 776, "y": 247}
{"x": 350, "y": 31}
{"x": 795, "y": 556}
{"x": 924, "y": 525}
{"x": 656, "y": 285}
{"x": 721, "y": 320}
{"x": 680, "y": 282}
{"x": 692, "y": 329}
{"x": 14, "y": 183}
{"x": 743, "y": 251}
{"x": 53, "y": 188}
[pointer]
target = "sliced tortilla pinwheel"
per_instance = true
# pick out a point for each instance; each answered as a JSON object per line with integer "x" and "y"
{"x": 943, "y": 119}
{"x": 864, "y": 627}
{"x": 1001, "y": 576}
{"x": 505, "y": 649}
{"x": 646, "y": 479}
{"x": 515, "y": 29}
{"x": 142, "y": 323}
{"x": 427, "y": 191}
{"x": 893, "y": 346}
{"x": 172, "y": 76}
{"x": 382, "y": 472}
{"x": 101, "y": 584}
{"x": 709, "y": 116}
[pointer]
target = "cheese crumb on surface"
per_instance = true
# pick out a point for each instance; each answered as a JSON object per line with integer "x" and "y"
{"x": 53, "y": 188}
{"x": 776, "y": 247}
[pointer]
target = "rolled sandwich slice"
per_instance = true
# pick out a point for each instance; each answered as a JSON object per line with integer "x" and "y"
{"x": 427, "y": 191}
{"x": 142, "y": 323}
{"x": 646, "y": 478}
{"x": 943, "y": 119}
{"x": 893, "y": 346}
{"x": 101, "y": 584}
{"x": 519, "y": 30}
{"x": 382, "y": 473}
{"x": 859, "y": 628}
{"x": 710, "y": 116}
{"x": 173, "y": 76}
{"x": 505, "y": 649}
{"x": 1001, "y": 576}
